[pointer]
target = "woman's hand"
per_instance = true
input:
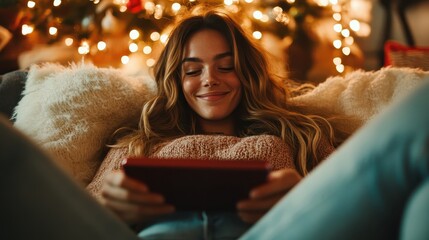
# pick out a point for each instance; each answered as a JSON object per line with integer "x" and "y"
{"x": 131, "y": 200}
{"x": 264, "y": 197}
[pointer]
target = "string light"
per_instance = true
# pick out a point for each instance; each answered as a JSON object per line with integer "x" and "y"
{"x": 83, "y": 48}
{"x": 344, "y": 27}
{"x": 125, "y": 60}
{"x": 68, "y": 41}
{"x": 101, "y": 46}
{"x": 57, "y": 3}
{"x": 134, "y": 34}
{"x": 31, "y": 4}
{"x": 53, "y": 31}
{"x": 26, "y": 29}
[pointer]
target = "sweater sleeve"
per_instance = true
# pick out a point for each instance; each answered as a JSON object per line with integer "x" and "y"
{"x": 112, "y": 162}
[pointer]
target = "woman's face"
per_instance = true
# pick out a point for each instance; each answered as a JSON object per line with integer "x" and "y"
{"x": 210, "y": 85}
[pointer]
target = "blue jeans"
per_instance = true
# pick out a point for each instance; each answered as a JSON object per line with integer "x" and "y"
{"x": 195, "y": 225}
{"x": 375, "y": 186}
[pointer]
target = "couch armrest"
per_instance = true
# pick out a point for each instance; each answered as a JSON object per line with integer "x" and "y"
{"x": 11, "y": 86}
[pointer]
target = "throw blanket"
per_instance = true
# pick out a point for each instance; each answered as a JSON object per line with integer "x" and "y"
{"x": 360, "y": 95}
{"x": 263, "y": 147}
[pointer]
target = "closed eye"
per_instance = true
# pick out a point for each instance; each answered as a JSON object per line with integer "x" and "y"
{"x": 226, "y": 69}
{"x": 192, "y": 72}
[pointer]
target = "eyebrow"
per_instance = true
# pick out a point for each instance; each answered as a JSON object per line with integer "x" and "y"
{"x": 217, "y": 57}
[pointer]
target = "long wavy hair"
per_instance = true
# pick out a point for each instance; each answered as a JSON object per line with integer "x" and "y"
{"x": 264, "y": 107}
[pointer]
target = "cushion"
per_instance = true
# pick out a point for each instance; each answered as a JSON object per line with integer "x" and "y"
{"x": 360, "y": 95}
{"x": 72, "y": 111}
{"x": 399, "y": 55}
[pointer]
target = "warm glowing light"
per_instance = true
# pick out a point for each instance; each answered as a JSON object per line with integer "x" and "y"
{"x": 336, "y": 8}
{"x": 26, "y": 29}
{"x": 150, "y": 7}
{"x": 333, "y": 2}
{"x": 155, "y": 36}
{"x": 323, "y": 3}
{"x": 337, "y": 60}
{"x": 133, "y": 47}
{"x": 84, "y": 48}
{"x": 123, "y": 8}
{"x": 354, "y": 25}
{"x": 31, "y": 4}
{"x": 340, "y": 68}
{"x": 158, "y": 11}
{"x": 53, "y": 31}
{"x": 248, "y": 1}
{"x": 349, "y": 40}
{"x": 57, "y": 3}
{"x": 147, "y": 50}
{"x": 176, "y": 7}
{"x": 338, "y": 27}
{"x": 150, "y": 62}
{"x": 125, "y": 60}
{"x": 291, "y": 1}
{"x": 163, "y": 38}
{"x": 345, "y": 33}
{"x": 265, "y": 18}
{"x": 68, "y": 41}
{"x": 346, "y": 51}
{"x": 101, "y": 46}
{"x": 336, "y": 16}
{"x": 364, "y": 30}
{"x": 257, "y": 14}
{"x": 134, "y": 34}
{"x": 337, "y": 44}
{"x": 277, "y": 10}
{"x": 257, "y": 35}
{"x": 228, "y": 2}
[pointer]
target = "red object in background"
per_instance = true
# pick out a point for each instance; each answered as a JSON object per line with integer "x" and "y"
{"x": 400, "y": 55}
{"x": 135, "y": 6}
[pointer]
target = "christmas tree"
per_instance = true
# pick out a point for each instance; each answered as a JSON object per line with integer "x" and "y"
{"x": 114, "y": 32}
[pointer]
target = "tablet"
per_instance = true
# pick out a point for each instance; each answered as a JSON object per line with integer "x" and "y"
{"x": 199, "y": 184}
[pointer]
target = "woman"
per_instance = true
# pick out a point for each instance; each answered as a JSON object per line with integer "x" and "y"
{"x": 375, "y": 186}
{"x": 213, "y": 80}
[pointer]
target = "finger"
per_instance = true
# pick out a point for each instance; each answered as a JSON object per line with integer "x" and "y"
{"x": 288, "y": 173}
{"x": 121, "y": 194}
{"x": 250, "y": 217}
{"x": 279, "y": 182}
{"x": 259, "y": 204}
{"x": 119, "y": 179}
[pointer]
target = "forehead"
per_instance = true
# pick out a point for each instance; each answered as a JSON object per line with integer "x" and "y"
{"x": 206, "y": 42}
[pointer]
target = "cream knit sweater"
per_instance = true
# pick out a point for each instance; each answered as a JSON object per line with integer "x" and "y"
{"x": 263, "y": 147}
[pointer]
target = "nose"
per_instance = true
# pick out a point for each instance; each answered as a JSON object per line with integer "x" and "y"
{"x": 209, "y": 78}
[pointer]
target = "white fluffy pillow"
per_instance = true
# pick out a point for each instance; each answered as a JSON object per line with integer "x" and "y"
{"x": 361, "y": 95}
{"x": 72, "y": 111}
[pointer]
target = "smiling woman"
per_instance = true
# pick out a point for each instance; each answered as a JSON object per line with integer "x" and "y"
{"x": 209, "y": 82}
{"x": 216, "y": 93}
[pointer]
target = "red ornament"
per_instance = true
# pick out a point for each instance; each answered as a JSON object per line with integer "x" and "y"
{"x": 135, "y": 6}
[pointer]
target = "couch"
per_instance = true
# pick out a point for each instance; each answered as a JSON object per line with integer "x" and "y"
{"x": 71, "y": 111}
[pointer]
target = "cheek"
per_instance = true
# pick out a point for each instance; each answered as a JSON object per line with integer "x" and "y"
{"x": 189, "y": 87}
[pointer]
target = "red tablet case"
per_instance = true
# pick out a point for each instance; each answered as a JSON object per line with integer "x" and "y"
{"x": 196, "y": 184}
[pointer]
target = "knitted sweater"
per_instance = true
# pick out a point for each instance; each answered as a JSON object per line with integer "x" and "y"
{"x": 263, "y": 147}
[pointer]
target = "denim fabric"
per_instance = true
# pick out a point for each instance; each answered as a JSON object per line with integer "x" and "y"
{"x": 195, "y": 225}
{"x": 375, "y": 186}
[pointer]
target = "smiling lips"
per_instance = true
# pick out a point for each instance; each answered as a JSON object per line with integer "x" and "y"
{"x": 212, "y": 96}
